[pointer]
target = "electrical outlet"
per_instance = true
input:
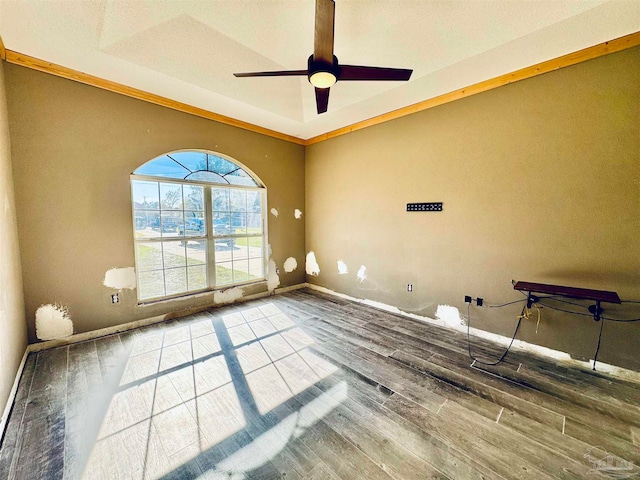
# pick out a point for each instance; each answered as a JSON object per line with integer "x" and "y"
{"x": 115, "y": 298}
{"x": 409, "y": 287}
{"x": 467, "y": 299}
{"x": 479, "y": 301}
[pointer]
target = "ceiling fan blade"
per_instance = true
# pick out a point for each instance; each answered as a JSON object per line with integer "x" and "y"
{"x": 281, "y": 73}
{"x": 323, "y": 38}
{"x": 322, "y": 99}
{"x": 361, "y": 72}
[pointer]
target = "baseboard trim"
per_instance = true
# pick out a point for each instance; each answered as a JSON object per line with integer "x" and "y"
{"x": 520, "y": 345}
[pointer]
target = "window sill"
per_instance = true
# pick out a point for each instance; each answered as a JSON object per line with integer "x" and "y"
{"x": 198, "y": 294}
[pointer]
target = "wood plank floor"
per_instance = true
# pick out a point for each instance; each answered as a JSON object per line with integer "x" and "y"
{"x": 303, "y": 385}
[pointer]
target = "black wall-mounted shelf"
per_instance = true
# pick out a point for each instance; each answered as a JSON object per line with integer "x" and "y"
{"x": 572, "y": 292}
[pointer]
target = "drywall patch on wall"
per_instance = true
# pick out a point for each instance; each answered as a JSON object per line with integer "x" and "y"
{"x": 273, "y": 280}
{"x": 311, "y": 266}
{"x": 362, "y": 274}
{"x": 274, "y": 212}
{"x": 119, "y": 278}
{"x": 298, "y": 214}
{"x": 228, "y": 296}
{"x": 52, "y": 322}
{"x": 449, "y": 315}
{"x": 290, "y": 264}
{"x": 343, "y": 269}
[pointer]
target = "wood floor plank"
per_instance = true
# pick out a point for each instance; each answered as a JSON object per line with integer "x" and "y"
{"x": 12, "y": 431}
{"x": 374, "y": 443}
{"x": 568, "y": 445}
{"x": 503, "y": 462}
{"x": 41, "y": 447}
{"x": 340, "y": 455}
{"x": 585, "y": 395}
{"x": 543, "y": 458}
{"x": 82, "y": 419}
{"x": 428, "y": 446}
{"x": 498, "y": 392}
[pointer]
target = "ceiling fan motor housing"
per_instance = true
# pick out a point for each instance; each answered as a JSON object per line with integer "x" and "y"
{"x": 322, "y": 74}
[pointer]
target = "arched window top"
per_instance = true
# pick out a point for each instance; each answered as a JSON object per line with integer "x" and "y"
{"x": 198, "y": 166}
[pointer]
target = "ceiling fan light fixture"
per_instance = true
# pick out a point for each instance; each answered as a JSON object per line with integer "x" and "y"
{"x": 322, "y": 79}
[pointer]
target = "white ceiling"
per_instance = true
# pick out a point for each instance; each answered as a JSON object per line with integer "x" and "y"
{"x": 187, "y": 50}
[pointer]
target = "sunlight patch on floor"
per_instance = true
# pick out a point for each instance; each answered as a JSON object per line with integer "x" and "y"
{"x": 192, "y": 390}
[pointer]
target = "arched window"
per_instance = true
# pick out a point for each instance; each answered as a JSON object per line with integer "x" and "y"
{"x": 199, "y": 224}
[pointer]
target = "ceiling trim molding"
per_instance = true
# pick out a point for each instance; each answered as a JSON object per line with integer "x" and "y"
{"x": 612, "y": 46}
{"x": 605, "y": 48}
{"x": 70, "y": 74}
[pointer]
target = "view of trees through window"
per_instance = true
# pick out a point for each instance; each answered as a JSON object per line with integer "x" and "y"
{"x": 196, "y": 230}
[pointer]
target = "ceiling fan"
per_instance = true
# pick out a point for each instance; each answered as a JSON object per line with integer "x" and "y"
{"x": 323, "y": 68}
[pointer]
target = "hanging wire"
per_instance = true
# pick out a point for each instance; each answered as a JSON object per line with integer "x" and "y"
{"x": 595, "y": 356}
{"x": 476, "y": 360}
{"x": 505, "y": 304}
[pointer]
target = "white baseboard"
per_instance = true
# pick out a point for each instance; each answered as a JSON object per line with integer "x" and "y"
{"x": 556, "y": 355}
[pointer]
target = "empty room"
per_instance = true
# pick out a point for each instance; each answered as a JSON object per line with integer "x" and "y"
{"x": 318, "y": 239}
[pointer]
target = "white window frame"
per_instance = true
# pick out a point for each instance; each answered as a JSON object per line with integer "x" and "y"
{"x": 209, "y": 237}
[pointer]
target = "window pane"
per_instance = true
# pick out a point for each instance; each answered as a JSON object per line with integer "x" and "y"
{"x": 256, "y": 268}
{"x": 197, "y": 277}
{"x": 220, "y": 199}
{"x": 174, "y": 254}
{"x": 207, "y": 177}
{"x": 240, "y": 177}
{"x": 240, "y": 271}
{"x": 238, "y": 200}
{"x": 194, "y": 224}
{"x": 151, "y": 284}
{"x": 254, "y": 223}
{"x": 220, "y": 165}
{"x": 147, "y": 223}
{"x": 193, "y": 197}
{"x": 221, "y": 223}
{"x": 254, "y": 202}
{"x": 255, "y": 247}
{"x": 162, "y": 167}
{"x": 170, "y": 196}
{"x": 176, "y": 280}
{"x": 224, "y": 275}
{"x": 241, "y": 251}
{"x": 149, "y": 256}
{"x": 145, "y": 195}
{"x": 239, "y": 223}
{"x": 171, "y": 223}
{"x": 224, "y": 249}
{"x": 196, "y": 252}
{"x": 193, "y": 161}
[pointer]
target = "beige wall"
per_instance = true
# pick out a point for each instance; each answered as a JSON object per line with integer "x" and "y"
{"x": 540, "y": 182}
{"x": 13, "y": 339}
{"x": 74, "y": 147}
